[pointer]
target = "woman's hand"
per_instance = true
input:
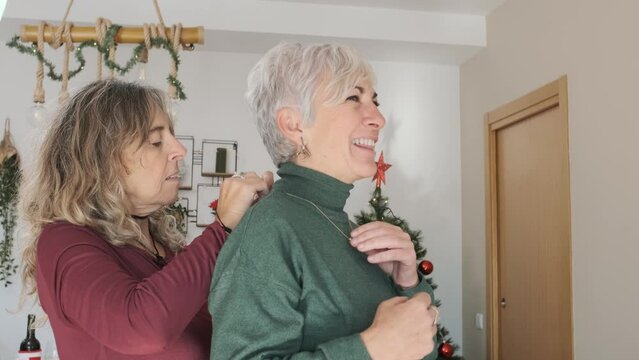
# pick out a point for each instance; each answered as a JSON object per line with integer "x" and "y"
{"x": 402, "y": 329}
{"x": 237, "y": 194}
{"x": 389, "y": 247}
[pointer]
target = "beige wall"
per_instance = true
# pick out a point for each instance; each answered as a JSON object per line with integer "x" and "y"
{"x": 596, "y": 43}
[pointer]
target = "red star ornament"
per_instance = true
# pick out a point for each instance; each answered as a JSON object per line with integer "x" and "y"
{"x": 380, "y": 176}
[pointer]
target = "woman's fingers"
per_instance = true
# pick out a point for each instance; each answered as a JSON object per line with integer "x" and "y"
{"x": 383, "y": 242}
{"x": 237, "y": 194}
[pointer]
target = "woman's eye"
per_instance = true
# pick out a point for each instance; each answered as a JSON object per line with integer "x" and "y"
{"x": 157, "y": 143}
{"x": 353, "y": 98}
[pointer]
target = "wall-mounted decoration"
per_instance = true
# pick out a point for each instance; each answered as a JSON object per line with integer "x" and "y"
{"x": 206, "y": 193}
{"x": 10, "y": 178}
{"x": 219, "y": 157}
{"x": 186, "y": 164}
{"x": 103, "y": 37}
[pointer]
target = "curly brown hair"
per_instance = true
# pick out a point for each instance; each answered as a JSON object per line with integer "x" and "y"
{"x": 78, "y": 174}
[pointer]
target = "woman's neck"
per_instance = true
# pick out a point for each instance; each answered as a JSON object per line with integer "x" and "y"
{"x": 313, "y": 165}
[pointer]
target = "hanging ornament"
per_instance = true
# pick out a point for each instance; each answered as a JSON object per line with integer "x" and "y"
{"x": 39, "y": 116}
{"x": 446, "y": 350}
{"x": 380, "y": 175}
{"x": 143, "y": 59}
{"x": 174, "y": 110}
{"x": 141, "y": 72}
{"x": 426, "y": 267}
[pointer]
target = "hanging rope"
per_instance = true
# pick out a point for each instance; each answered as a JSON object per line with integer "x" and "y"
{"x": 62, "y": 36}
{"x": 101, "y": 27}
{"x": 68, "y": 48}
{"x": 112, "y": 58}
{"x": 159, "y": 30}
{"x": 56, "y": 41}
{"x": 177, "y": 33}
{"x": 38, "y": 94}
{"x": 66, "y": 13}
{"x": 159, "y": 13}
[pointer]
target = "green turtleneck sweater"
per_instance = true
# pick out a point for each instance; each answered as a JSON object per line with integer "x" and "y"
{"x": 288, "y": 285}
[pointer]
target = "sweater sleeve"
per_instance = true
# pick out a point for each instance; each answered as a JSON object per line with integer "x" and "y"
{"x": 92, "y": 288}
{"x": 265, "y": 323}
{"x": 422, "y": 286}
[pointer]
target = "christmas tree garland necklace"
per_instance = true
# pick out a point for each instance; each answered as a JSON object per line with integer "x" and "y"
{"x": 323, "y": 214}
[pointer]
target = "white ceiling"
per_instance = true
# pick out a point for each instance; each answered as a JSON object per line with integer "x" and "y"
{"x": 477, "y": 7}
{"x": 436, "y": 31}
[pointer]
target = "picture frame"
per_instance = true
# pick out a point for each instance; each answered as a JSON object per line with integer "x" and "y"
{"x": 185, "y": 165}
{"x": 219, "y": 157}
{"x": 206, "y": 193}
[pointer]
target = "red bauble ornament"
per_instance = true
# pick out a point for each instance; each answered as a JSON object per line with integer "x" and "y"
{"x": 426, "y": 267}
{"x": 446, "y": 350}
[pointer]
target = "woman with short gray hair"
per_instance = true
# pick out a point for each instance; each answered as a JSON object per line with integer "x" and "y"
{"x": 296, "y": 280}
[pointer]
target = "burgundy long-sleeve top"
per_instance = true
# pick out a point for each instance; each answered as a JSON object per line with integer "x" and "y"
{"x": 113, "y": 302}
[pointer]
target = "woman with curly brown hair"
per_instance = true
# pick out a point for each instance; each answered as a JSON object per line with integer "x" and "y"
{"x": 106, "y": 261}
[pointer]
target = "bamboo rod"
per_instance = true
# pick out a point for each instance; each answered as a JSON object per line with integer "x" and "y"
{"x": 126, "y": 35}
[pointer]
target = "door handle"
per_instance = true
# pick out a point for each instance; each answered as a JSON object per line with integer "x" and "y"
{"x": 503, "y": 303}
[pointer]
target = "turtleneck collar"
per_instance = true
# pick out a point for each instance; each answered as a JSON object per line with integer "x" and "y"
{"x": 323, "y": 190}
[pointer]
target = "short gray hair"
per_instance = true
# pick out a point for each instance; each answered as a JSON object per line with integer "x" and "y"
{"x": 290, "y": 75}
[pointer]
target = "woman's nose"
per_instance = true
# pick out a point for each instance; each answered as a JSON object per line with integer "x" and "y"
{"x": 178, "y": 152}
{"x": 375, "y": 118}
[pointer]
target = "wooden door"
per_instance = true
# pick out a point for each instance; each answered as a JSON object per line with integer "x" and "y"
{"x": 529, "y": 255}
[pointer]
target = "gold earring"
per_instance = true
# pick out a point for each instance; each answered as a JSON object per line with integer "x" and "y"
{"x": 303, "y": 152}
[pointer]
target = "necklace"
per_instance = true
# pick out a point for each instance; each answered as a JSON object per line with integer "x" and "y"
{"x": 323, "y": 214}
{"x": 157, "y": 258}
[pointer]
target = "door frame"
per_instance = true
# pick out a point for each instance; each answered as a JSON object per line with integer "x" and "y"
{"x": 548, "y": 96}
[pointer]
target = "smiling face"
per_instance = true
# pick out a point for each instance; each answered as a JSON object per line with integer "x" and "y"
{"x": 151, "y": 179}
{"x": 342, "y": 138}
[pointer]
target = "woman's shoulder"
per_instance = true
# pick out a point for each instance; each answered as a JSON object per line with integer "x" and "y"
{"x": 268, "y": 227}
{"x": 265, "y": 244}
{"x": 59, "y": 235}
{"x": 276, "y": 207}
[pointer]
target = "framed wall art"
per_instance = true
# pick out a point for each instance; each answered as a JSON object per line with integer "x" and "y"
{"x": 185, "y": 165}
{"x": 206, "y": 193}
{"x": 219, "y": 157}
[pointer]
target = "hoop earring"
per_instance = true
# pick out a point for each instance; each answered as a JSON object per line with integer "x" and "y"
{"x": 303, "y": 152}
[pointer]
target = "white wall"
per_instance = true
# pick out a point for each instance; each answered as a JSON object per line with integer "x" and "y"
{"x": 421, "y": 141}
{"x": 531, "y": 43}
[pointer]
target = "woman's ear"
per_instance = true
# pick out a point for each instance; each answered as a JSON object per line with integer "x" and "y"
{"x": 289, "y": 122}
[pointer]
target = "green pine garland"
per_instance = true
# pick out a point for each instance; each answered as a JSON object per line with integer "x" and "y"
{"x": 380, "y": 211}
{"x": 103, "y": 48}
{"x": 10, "y": 176}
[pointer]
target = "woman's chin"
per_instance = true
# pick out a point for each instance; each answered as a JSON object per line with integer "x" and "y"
{"x": 366, "y": 171}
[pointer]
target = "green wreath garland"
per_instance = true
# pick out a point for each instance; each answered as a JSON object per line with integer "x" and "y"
{"x": 103, "y": 48}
